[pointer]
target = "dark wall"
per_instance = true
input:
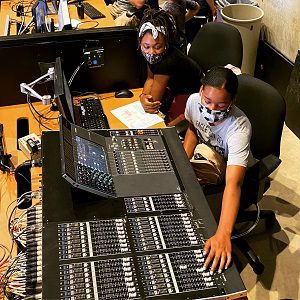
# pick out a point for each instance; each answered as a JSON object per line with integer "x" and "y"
{"x": 20, "y": 57}
{"x": 284, "y": 75}
{"x": 272, "y": 67}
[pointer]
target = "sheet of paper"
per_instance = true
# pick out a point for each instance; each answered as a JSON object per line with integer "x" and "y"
{"x": 134, "y": 116}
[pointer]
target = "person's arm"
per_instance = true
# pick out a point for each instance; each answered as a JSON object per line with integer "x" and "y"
{"x": 192, "y": 9}
{"x": 153, "y": 91}
{"x": 138, "y": 4}
{"x": 212, "y": 6}
{"x": 149, "y": 82}
{"x": 218, "y": 247}
{"x": 190, "y": 141}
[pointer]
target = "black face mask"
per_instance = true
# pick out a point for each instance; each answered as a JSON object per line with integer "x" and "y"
{"x": 153, "y": 58}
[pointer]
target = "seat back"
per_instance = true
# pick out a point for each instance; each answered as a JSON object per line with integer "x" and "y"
{"x": 265, "y": 108}
{"x": 217, "y": 44}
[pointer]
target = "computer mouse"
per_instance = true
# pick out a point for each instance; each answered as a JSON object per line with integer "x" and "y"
{"x": 123, "y": 94}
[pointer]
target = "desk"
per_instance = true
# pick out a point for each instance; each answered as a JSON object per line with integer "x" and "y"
{"x": 109, "y": 103}
{"x": 9, "y": 116}
{"x": 7, "y": 6}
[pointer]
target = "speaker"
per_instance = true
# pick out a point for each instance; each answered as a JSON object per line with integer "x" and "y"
{"x": 22, "y": 128}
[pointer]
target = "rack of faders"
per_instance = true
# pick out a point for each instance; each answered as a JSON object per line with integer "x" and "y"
{"x": 153, "y": 252}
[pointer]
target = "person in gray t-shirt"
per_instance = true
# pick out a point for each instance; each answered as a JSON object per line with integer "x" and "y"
{"x": 182, "y": 11}
{"x": 120, "y": 8}
{"x": 217, "y": 122}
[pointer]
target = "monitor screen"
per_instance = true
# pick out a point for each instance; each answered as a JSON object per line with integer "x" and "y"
{"x": 62, "y": 94}
{"x": 23, "y": 57}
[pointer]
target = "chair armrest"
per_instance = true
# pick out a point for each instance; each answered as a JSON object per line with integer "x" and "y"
{"x": 264, "y": 167}
{"x": 181, "y": 125}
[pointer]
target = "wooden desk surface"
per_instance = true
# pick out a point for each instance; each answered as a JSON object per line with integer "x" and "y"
{"x": 8, "y": 194}
{"x": 109, "y": 102}
{"x": 9, "y": 7}
{"x": 9, "y": 116}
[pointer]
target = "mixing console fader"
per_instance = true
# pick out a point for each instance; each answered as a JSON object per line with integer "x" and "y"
{"x": 102, "y": 279}
{"x": 88, "y": 239}
{"x": 139, "y": 162}
{"x": 155, "y": 203}
{"x": 164, "y": 232}
{"x": 178, "y": 272}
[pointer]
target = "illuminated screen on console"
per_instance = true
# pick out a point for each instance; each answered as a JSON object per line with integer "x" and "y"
{"x": 91, "y": 155}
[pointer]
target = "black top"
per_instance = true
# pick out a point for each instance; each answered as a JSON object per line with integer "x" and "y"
{"x": 185, "y": 73}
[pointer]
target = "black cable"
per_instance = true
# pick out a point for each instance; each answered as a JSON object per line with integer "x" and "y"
{"x": 21, "y": 171}
{"x": 92, "y": 93}
{"x": 31, "y": 107}
{"x": 84, "y": 93}
{"x": 83, "y": 22}
{"x": 107, "y": 97}
{"x": 29, "y": 102}
{"x": 9, "y": 169}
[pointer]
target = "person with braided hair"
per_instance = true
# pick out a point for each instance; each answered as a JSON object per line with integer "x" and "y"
{"x": 169, "y": 71}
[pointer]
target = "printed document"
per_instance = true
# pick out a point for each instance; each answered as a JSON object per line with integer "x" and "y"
{"x": 134, "y": 116}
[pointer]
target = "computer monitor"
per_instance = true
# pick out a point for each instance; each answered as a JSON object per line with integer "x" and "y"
{"x": 62, "y": 93}
{"x": 23, "y": 56}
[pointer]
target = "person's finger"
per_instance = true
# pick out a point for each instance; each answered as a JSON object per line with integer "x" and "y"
{"x": 151, "y": 111}
{"x": 222, "y": 262}
{"x": 156, "y": 105}
{"x": 202, "y": 181}
{"x": 148, "y": 103}
{"x": 209, "y": 258}
{"x": 152, "y": 102}
{"x": 151, "y": 108}
{"x": 229, "y": 258}
{"x": 215, "y": 262}
{"x": 207, "y": 247}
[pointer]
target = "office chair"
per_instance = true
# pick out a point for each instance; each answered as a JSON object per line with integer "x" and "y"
{"x": 216, "y": 44}
{"x": 265, "y": 108}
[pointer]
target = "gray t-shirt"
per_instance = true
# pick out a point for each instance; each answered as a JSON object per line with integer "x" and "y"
{"x": 230, "y": 138}
{"x": 125, "y": 5}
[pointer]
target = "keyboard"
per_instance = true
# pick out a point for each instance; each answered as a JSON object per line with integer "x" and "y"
{"x": 91, "y": 11}
{"x": 92, "y": 115}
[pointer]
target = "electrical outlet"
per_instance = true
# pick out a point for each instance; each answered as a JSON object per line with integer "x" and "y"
{"x": 94, "y": 57}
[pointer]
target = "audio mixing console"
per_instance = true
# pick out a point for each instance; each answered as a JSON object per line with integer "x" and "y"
{"x": 136, "y": 234}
